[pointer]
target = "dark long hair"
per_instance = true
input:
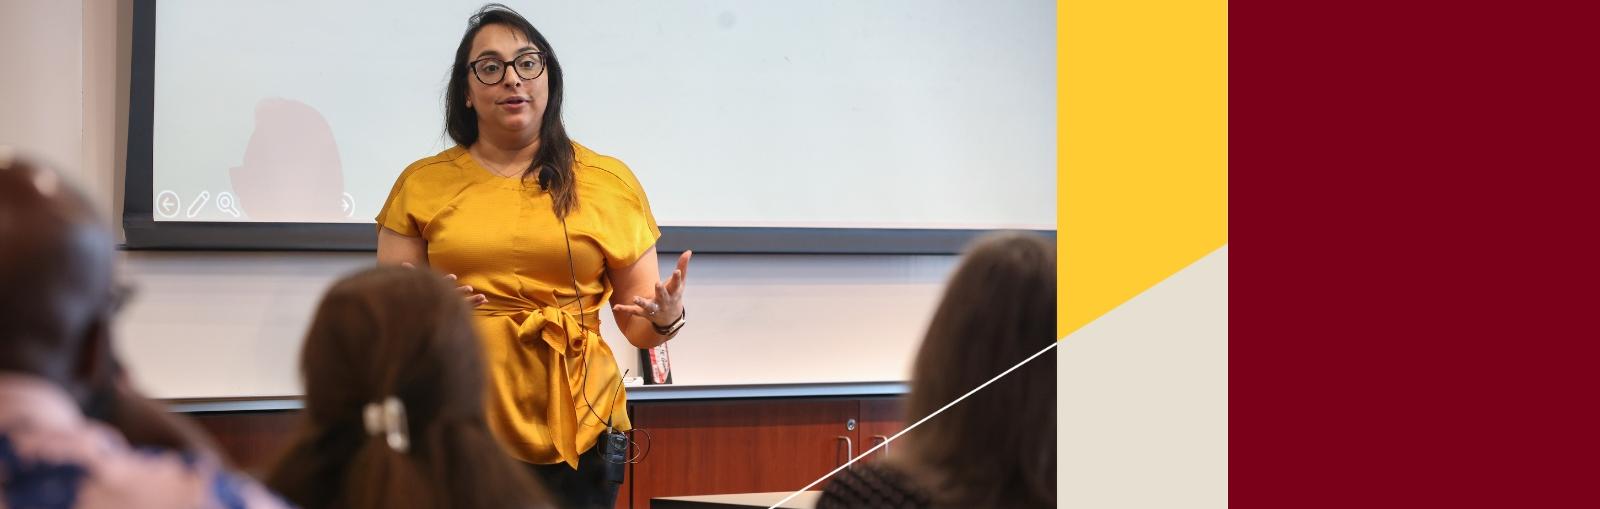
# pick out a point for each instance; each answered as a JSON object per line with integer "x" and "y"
{"x": 553, "y": 162}
{"x": 404, "y": 333}
{"x": 997, "y": 448}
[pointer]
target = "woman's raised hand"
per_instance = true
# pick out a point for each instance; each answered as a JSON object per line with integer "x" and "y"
{"x": 667, "y": 307}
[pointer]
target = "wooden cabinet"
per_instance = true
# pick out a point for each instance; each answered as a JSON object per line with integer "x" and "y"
{"x": 750, "y": 446}
{"x": 880, "y": 419}
{"x": 251, "y": 440}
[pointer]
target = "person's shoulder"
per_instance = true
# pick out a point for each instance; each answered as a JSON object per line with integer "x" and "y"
{"x": 603, "y": 170}
{"x": 450, "y": 157}
{"x": 587, "y": 158}
{"x": 872, "y": 485}
{"x": 445, "y": 165}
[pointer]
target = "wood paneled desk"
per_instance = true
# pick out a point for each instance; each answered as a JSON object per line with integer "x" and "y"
{"x": 805, "y": 500}
{"x": 698, "y": 440}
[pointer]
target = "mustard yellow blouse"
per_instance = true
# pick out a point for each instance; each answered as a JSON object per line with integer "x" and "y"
{"x": 501, "y": 236}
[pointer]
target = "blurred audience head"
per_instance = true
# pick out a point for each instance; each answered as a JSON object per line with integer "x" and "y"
{"x": 56, "y": 287}
{"x": 58, "y": 296}
{"x": 394, "y": 386}
{"x": 997, "y": 448}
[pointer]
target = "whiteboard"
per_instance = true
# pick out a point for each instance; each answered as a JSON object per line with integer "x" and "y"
{"x": 830, "y": 113}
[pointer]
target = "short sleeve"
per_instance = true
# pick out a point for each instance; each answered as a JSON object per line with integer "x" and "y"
{"x": 634, "y": 230}
{"x": 417, "y": 195}
{"x": 396, "y": 214}
{"x": 626, "y": 226}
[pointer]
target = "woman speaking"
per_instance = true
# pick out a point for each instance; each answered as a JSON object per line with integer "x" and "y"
{"x": 542, "y": 233}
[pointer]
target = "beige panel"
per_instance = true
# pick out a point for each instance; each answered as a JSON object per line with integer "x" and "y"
{"x": 230, "y": 324}
{"x": 1143, "y": 398}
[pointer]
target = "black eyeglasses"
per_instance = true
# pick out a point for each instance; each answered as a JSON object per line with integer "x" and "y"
{"x": 491, "y": 70}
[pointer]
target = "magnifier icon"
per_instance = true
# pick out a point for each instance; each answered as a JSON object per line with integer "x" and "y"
{"x": 225, "y": 203}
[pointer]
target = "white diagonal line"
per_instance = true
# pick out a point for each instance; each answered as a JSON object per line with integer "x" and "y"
{"x": 914, "y": 425}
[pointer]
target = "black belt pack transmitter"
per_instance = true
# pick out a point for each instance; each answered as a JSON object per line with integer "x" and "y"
{"x": 614, "y": 451}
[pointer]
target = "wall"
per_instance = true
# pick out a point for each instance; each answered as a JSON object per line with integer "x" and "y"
{"x": 229, "y": 324}
{"x": 41, "y": 92}
{"x": 211, "y": 324}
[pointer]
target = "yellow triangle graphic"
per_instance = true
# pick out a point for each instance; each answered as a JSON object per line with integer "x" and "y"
{"x": 1142, "y": 181}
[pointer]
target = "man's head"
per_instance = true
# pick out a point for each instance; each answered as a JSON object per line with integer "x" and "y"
{"x": 56, "y": 289}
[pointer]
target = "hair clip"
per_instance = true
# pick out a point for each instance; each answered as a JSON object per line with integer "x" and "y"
{"x": 388, "y": 419}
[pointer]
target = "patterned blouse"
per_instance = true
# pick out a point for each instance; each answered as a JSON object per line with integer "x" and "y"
{"x": 52, "y": 457}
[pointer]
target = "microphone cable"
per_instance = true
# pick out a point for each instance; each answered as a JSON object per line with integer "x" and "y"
{"x": 583, "y": 387}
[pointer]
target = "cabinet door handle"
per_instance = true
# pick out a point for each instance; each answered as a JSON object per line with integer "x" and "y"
{"x": 849, "y": 448}
{"x": 885, "y": 444}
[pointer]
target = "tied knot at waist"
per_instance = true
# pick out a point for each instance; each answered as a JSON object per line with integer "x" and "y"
{"x": 563, "y": 330}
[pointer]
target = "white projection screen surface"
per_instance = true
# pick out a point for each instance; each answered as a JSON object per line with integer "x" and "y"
{"x": 859, "y": 114}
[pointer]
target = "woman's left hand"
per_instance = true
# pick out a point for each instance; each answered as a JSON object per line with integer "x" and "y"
{"x": 667, "y": 307}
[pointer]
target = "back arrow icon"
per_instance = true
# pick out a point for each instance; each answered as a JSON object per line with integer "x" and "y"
{"x": 167, "y": 204}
